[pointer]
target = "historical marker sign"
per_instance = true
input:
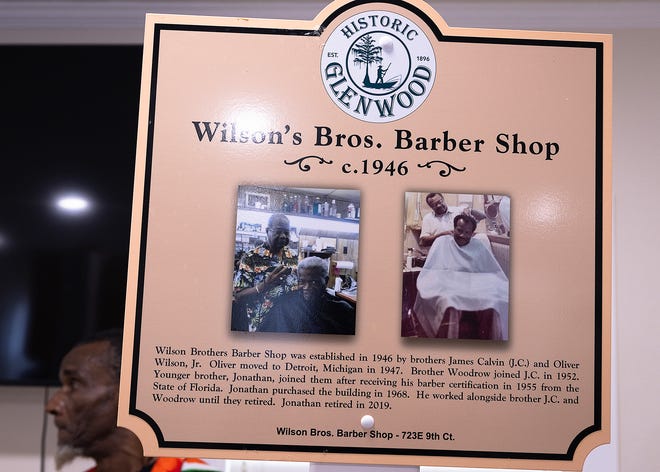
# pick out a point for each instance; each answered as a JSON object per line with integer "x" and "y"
{"x": 382, "y": 101}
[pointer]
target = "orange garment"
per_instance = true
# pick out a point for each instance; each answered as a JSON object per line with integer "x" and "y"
{"x": 176, "y": 464}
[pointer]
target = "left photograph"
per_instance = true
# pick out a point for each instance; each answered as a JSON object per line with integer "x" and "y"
{"x": 296, "y": 260}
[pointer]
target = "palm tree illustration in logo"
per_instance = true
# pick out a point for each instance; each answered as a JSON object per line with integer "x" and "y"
{"x": 367, "y": 52}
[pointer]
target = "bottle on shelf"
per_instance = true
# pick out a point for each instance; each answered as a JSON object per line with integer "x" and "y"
{"x": 351, "y": 211}
{"x": 333, "y": 209}
{"x": 317, "y": 206}
{"x": 305, "y": 206}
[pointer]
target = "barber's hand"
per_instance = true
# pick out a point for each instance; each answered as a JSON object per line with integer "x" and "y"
{"x": 277, "y": 276}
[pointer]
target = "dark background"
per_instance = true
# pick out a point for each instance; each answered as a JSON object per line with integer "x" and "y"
{"x": 68, "y": 123}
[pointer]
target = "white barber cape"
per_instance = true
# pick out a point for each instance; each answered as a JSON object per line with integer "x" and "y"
{"x": 464, "y": 278}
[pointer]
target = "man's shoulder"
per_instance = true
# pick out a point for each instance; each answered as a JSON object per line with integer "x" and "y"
{"x": 258, "y": 251}
{"x": 342, "y": 316}
{"x": 337, "y": 304}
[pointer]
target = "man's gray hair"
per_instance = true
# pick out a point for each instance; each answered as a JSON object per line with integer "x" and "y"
{"x": 316, "y": 264}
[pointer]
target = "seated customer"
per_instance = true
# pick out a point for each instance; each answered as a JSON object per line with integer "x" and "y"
{"x": 440, "y": 221}
{"x": 462, "y": 291}
{"x": 310, "y": 309}
{"x": 85, "y": 412}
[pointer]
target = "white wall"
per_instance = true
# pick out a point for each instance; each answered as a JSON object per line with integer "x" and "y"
{"x": 636, "y": 28}
{"x": 636, "y": 279}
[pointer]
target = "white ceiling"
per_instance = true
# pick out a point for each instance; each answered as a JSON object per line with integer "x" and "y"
{"x": 122, "y": 21}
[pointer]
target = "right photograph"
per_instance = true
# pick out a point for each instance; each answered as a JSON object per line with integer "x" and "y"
{"x": 456, "y": 266}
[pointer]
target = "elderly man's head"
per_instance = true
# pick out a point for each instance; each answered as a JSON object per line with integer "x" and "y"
{"x": 312, "y": 277}
{"x": 85, "y": 407}
{"x": 277, "y": 232}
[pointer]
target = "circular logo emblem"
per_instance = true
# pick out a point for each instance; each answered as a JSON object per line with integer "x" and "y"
{"x": 378, "y": 66}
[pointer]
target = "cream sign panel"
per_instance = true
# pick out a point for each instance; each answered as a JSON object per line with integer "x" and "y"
{"x": 370, "y": 238}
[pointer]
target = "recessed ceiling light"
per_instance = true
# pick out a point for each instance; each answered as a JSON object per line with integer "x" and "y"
{"x": 73, "y": 204}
